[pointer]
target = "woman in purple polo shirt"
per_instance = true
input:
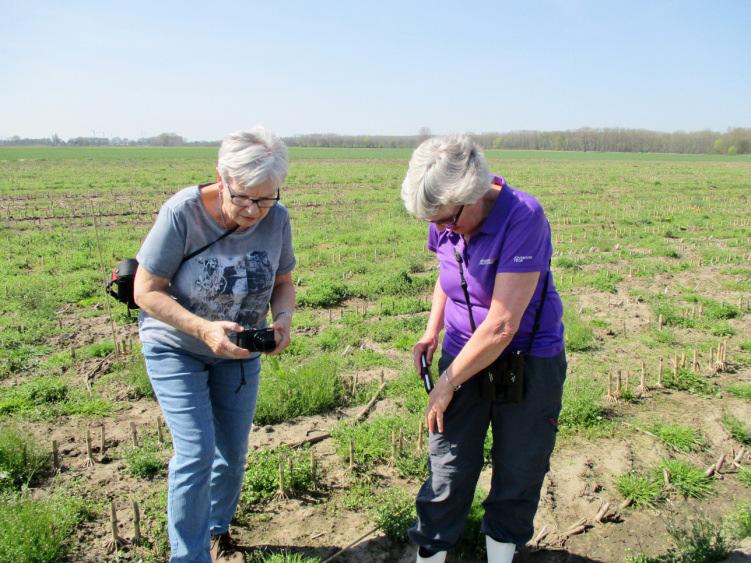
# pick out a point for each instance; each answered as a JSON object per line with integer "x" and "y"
{"x": 501, "y": 313}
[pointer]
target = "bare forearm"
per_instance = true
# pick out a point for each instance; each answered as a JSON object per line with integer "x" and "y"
{"x": 162, "y": 307}
{"x": 481, "y": 350}
{"x": 283, "y": 299}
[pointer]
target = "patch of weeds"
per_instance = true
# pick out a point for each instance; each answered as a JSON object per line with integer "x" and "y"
{"x": 145, "y": 461}
{"x": 744, "y": 474}
{"x": 602, "y": 280}
{"x": 131, "y": 373}
{"x": 738, "y": 523}
{"x": 740, "y": 431}
{"x": 261, "y": 480}
{"x": 408, "y": 389}
{"x": 688, "y": 480}
{"x": 47, "y": 397}
{"x": 394, "y": 513}
{"x": 678, "y": 437}
{"x": 39, "y": 531}
{"x": 154, "y": 524}
{"x": 663, "y": 336}
{"x": 372, "y": 442}
{"x": 567, "y": 263}
{"x": 644, "y": 489}
{"x": 22, "y": 460}
{"x": 299, "y": 390}
{"x": 358, "y": 497}
{"x": 741, "y": 391}
{"x": 582, "y": 405}
{"x": 579, "y": 334}
{"x": 95, "y": 350}
{"x": 705, "y": 542}
{"x": 324, "y": 293}
{"x": 689, "y": 381}
{"x": 266, "y": 556}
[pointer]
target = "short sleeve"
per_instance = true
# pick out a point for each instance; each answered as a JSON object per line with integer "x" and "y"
{"x": 432, "y": 243}
{"x": 162, "y": 251}
{"x": 526, "y": 244}
{"x": 287, "y": 255}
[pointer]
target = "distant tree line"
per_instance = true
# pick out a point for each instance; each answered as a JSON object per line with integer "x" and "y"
{"x": 733, "y": 141}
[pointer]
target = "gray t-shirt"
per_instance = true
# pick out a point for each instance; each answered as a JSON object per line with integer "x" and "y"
{"x": 232, "y": 280}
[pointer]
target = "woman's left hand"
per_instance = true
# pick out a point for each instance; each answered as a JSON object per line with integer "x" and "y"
{"x": 281, "y": 328}
{"x": 440, "y": 397}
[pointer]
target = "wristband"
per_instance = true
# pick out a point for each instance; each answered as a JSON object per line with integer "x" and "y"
{"x": 448, "y": 380}
{"x": 280, "y": 313}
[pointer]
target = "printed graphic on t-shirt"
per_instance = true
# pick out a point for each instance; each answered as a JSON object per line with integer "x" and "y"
{"x": 233, "y": 289}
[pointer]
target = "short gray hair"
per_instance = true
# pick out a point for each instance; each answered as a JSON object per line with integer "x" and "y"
{"x": 252, "y": 157}
{"x": 444, "y": 171}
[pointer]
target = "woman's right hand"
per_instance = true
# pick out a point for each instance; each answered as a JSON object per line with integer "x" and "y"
{"x": 214, "y": 334}
{"x": 426, "y": 345}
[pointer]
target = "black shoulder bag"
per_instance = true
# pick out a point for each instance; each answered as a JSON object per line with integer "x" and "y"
{"x": 503, "y": 380}
{"x": 120, "y": 285}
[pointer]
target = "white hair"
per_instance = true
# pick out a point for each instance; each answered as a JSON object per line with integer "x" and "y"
{"x": 444, "y": 171}
{"x": 252, "y": 157}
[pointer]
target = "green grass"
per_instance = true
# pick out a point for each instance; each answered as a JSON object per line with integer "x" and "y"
{"x": 688, "y": 480}
{"x": 47, "y": 397}
{"x": 582, "y": 405}
{"x": 22, "y": 460}
{"x": 740, "y": 431}
{"x": 739, "y": 522}
{"x": 261, "y": 480}
{"x": 579, "y": 333}
{"x": 373, "y": 445}
{"x": 694, "y": 383}
{"x": 267, "y": 556}
{"x": 678, "y": 437}
{"x": 704, "y": 542}
{"x": 744, "y": 474}
{"x": 741, "y": 391}
{"x": 644, "y": 489}
{"x": 394, "y": 512}
{"x": 39, "y": 531}
{"x": 147, "y": 460}
{"x": 291, "y": 390}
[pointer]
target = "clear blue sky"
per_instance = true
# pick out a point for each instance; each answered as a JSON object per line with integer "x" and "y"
{"x": 202, "y": 69}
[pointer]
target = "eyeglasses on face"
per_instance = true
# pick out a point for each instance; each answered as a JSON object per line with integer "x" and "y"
{"x": 246, "y": 201}
{"x": 449, "y": 221}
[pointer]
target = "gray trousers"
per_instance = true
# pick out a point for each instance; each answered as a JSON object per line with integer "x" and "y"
{"x": 523, "y": 438}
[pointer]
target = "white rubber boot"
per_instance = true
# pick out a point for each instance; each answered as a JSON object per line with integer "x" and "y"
{"x": 439, "y": 557}
{"x": 499, "y": 552}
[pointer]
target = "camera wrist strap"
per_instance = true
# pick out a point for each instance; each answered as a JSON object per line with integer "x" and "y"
{"x": 465, "y": 289}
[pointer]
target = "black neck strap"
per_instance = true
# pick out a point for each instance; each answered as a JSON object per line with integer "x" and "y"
{"x": 204, "y": 247}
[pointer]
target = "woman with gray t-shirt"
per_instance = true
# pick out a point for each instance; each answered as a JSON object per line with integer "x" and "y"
{"x": 238, "y": 240}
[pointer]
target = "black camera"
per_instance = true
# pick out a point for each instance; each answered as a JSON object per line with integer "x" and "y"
{"x": 503, "y": 380}
{"x": 256, "y": 339}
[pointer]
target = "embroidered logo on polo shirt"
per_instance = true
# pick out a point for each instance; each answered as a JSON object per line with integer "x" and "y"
{"x": 487, "y": 261}
{"x": 522, "y": 258}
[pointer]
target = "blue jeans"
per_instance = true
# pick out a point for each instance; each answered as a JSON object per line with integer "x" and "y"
{"x": 209, "y": 415}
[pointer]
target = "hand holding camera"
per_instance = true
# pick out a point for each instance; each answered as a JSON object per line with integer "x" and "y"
{"x": 256, "y": 339}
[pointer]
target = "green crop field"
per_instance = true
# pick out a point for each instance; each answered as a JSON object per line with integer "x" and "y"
{"x": 652, "y": 260}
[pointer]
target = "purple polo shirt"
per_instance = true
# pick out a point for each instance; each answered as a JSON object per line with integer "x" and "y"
{"x": 514, "y": 237}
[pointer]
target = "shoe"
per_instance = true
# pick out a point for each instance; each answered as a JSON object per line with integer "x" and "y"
{"x": 439, "y": 557}
{"x": 499, "y": 552}
{"x": 224, "y": 550}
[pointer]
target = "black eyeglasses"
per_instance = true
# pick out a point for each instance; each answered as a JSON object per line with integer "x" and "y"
{"x": 246, "y": 201}
{"x": 449, "y": 221}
